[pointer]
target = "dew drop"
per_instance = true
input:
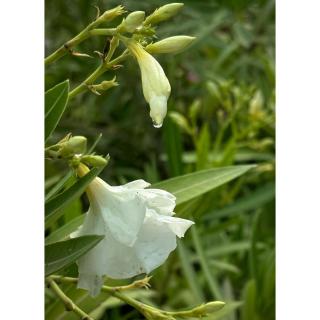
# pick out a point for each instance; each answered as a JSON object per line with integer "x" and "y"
{"x": 157, "y": 125}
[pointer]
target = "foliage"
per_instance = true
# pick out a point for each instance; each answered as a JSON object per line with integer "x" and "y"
{"x": 221, "y": 114}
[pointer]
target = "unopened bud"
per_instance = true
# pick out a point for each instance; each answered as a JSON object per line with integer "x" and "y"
{"x": 75, "y": 145}
{"x": 163, "y": 13}
{"x": 133, "y": 21}
{"x": 170, "y": 45}
{"x": 103, "y": 86}
{"x": 95, "y": 161}
{"x": 112, "y": 14}
{"x": 206, "y": 309}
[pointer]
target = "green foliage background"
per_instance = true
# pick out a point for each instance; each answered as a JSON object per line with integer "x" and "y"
{"x": 221, "y": 112}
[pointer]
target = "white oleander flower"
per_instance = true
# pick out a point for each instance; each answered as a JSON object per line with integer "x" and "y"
{"x": 139, "y": 228}
{"x": 155, "y": 85}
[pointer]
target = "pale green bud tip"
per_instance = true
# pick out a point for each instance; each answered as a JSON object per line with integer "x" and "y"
{"x": 133, "y": 21}
{"x": 214, "y": 306}
{"x": 170, "y": 45}
{"x": 164, "y": 13}
{"x": 94, "y": 161}
{"x": 206, "y": 309}
{"x": 158, "y": 110}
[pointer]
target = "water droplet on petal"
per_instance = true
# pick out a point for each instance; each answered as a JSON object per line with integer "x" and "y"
{"x": 156, "y": 125}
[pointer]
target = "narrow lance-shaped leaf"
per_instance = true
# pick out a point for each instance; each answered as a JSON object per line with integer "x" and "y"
{"x": 56, "y": 100}
{"x": 61, "y": 200}
{"x": 63, "y": 232}
{"x": 192, "y": 185}
{"x": 59, "y": 255}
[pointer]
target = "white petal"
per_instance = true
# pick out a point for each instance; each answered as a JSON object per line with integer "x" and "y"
{"x": 90, "y": 282}
{"x": 158, "y": 109}
{"x": 121, "y": 261}
{"x": 122, "y": 210}
{"x": 124, "y": 217}
{"x": 92, "y": 224}
{"x": 155, "y": 242}
{"x": 137, "y": 184}
{"x": 177, "y": 225}
{"x": 154, "y": 80}
{"x": 160, "y": 200}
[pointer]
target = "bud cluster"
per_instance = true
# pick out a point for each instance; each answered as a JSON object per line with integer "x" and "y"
{"x": 74, "y": 149}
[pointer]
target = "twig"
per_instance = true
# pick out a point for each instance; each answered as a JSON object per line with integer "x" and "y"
{"x": 69, "y": 304}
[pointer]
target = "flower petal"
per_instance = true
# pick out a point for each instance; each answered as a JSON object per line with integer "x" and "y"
{"x": 155, "y": 242}
{"x": 121, "y": 208}
{"x": 137, "y": 184}
{"x": 90, "y": 282}
{"x": 124, "y": 214}
{"x": 160, "y": 200}
{"x": 177, "y": 225}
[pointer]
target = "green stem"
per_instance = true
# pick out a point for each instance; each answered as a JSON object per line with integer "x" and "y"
{"x": 83, "y": 86}
{"x": 103, "y": 32}
{"x": 87, "y": 32}
{"x": 113, "y": 291}
{"x": 83, "y": 35}
{"x": 97, "y": 73}
{"x": 69, "y": 304}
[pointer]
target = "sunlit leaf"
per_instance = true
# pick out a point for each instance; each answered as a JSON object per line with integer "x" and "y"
{"x": 192, "y": 185}
{"x": 61, "y": 254}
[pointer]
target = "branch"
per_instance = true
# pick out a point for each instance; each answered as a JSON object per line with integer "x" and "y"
{"x": 86, "y": 33}
{"x": 69, "y": 304}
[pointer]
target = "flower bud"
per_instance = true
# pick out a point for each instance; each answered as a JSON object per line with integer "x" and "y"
{"x": 206, "y": 309}
{"x": 103, "y": 86}
{"x": 132, "y": 21}
{"x": 213, "y": 306}
{"x": 170, "y": 45}
{"x": 75, "y": 145}
{"x": 95, "y": 161}
{"x": 112, "y": 14}
{"x": 155, "y": 85}
{"x": 163, "y": 13}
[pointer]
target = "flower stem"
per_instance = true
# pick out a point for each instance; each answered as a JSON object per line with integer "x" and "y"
{"x": 97, "y": 73}
{"x": 113, "y": 291}
{"x": 69, "y": 304}
{"x": 83, "y": 35}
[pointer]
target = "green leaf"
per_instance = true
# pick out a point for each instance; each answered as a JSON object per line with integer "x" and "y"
{"x": 254, "y": 200}
{"x": 56, "y": 100}
{"x": 61, "y": 200}
{"x": 189, "y": 272}
{"x": 173, "y": 144}
{"x": 211, "y": 279}
{"x": 192, "y": 185}
{"x": 61, "y": 254}
{"x": 63, "y": 180}
{"x": 65, "y": 230}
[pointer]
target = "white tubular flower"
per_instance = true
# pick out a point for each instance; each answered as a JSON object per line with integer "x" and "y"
{"x": 139, "y": 231}
{"x": 155, "y": 85}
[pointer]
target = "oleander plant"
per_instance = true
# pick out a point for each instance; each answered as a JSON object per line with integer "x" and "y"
{"x": 159, "y": 160}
